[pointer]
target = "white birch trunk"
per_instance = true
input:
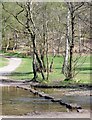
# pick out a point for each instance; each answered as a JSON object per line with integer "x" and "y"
{"x": 80, "y": 35}
{"x": 66, "y": 56}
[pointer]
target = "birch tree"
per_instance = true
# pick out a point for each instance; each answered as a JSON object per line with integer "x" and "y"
{"x": 65, "y": 68}
{"x": 69, "y": 66}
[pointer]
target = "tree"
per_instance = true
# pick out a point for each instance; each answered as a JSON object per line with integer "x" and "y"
{"x": 68, "y": 69}
{"x": 65, "y": 68}
{"x": 29, "y": 27}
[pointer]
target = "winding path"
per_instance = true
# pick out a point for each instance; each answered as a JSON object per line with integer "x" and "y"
{"x": 13, "y": 64}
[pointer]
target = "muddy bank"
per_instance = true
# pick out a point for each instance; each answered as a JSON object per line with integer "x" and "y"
{"x": 81, "y": 89}
{"x": 40, "y": 85}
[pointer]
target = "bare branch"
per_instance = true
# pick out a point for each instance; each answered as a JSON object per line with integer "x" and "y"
{"x": 5, "y": 19}
{"x": 16, "y": 17}
{"x": 79, "y": 6}
{"x": 19, "y": 12}
{"x": 29, "y": 19}
{"x": 19, "y": 4}
{"x": 85, "y": 21}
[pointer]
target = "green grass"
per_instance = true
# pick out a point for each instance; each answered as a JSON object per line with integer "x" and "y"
{"x": 24, "y": 72}
{"x": 3, "y": 62}
{"x": 85, "y": 70}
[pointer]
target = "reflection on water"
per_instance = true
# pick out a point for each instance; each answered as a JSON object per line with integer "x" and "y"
{"x": 16, "y": 101}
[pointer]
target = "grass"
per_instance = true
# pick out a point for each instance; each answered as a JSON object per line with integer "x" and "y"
{"x": 24, "y": 72}
{"x": 3, "y": 62}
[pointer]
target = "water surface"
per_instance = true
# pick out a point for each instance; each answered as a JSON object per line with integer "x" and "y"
{"x": 16, "y": 101}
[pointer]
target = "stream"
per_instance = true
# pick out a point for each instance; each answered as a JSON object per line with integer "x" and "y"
{"x": 16, "y": 101}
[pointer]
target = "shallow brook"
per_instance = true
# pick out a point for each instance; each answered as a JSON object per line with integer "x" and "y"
{"x": 72, "y": 96}
{"x": 16, "y": 101}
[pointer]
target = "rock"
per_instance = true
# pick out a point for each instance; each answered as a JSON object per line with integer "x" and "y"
{"x": 56, "y": 100}
{"x": 48, "y": 97}
{"x": 80, "y": 110}
{"x": 69, "y": 107}
{"x": 25, "y": 89}
{"x": 41, "y": 94}
{"x": 62, "y": 103}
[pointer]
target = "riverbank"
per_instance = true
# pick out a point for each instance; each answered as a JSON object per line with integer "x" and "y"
{"x": 40, "y": 85}
{"x": 79, "y": 90}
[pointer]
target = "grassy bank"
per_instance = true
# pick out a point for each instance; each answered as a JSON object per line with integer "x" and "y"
{"x": 24, "y": 72}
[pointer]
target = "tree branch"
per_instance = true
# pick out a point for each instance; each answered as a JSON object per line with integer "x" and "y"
{"x": 16, "y": 17}
{"x": 82, "y": 3}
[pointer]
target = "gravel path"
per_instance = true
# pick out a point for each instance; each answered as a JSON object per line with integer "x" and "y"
{"x": 13, "y": 64}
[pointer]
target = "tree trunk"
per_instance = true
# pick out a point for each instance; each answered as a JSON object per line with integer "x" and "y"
{"x": 44, "y": 38}
{"x": 31, "y": 31}
{"x": 70, "y": 76}
{"x": 37, "y": 57}
{"x": 8, "y": 44}
{"x": 65, "y": 68}
{"x": 42, "y": 59}
{"x": 51, "y": 65}
{"x": 15, "y": 41}
{"x": 47, "y": 60}
{"x": 68, "y": 59}
{"x": 34, "y": 58}
{"x": 80, "y": 35}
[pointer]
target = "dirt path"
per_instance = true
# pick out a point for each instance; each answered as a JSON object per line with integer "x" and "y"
{"x": 13, "y": 64}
